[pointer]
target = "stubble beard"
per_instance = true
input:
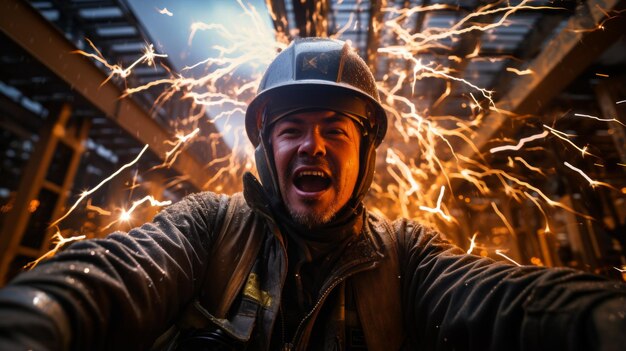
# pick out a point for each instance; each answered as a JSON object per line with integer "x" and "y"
{"x": 310, "y": 218}
{"x": 313, "y": 219}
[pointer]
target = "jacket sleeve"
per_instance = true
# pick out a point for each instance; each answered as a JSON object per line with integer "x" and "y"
{"x": 456, "y": 301}
{"x": 118, "y": 292}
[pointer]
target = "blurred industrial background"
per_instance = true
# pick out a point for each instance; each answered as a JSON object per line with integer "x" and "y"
{"x": 64, "y": 127}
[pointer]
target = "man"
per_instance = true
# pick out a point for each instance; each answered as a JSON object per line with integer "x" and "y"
{"x": 297, "y": 262}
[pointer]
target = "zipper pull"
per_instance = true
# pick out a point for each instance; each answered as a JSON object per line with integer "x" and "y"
{"x": 287, "y": 347}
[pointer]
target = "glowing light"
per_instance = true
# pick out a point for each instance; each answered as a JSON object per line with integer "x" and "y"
{"x": 532, "y": 168}
{"x": 592, "y": 182}
{"x": 543, "y": 212}
{"x": 149, "y": 198}
{"x": 501, "y": 253}
{"x": 520, "y": 73}
{"x": 620, "y": 102}
{"x": 600, "y": 119}
{"x": 520, "y": 143}
{"x": 171, "y": 155}
{"x": 33, "y": 205}
{"x": 87, "y": 193}
{"x": 502, "y": 217}
{"x": 97, "y": 209}
{"x": 564, "y": 136}
{"x": 165, "y": 11}
{"x": 437, "y": 209}
{"x": 125, "y": 216}
{"x": 536, "y": 261}
{"x": 58, "y": 241}
{"x": 147, "y": 58}
{"x": 472, "y": 243}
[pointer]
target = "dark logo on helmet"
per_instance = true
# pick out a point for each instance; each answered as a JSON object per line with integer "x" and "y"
{"x": 316, "y": 62}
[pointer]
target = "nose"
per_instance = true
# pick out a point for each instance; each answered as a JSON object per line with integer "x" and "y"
{"x": 312, "y": 144}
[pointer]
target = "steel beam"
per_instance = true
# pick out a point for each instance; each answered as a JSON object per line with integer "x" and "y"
{"x": 310, "y": 16}
{"x": 561, "y": 61}
{"x": 278, "y": 14}
{"x": 373, "y": 34}
{"x": 606, "y": 94}
{"x": 25, "y": 26}
{"x": 31, "y": 183}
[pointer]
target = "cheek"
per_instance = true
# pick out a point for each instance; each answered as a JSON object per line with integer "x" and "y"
{"x": 279, "y": 162}
{"x": 351, "y": 167}
{"x": 283, "y": 156}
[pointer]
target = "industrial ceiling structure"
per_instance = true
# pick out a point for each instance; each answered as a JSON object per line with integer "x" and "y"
{"x": 66, "y": 126}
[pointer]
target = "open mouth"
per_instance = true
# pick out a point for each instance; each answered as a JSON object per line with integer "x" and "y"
{"x": 311, "y": 181}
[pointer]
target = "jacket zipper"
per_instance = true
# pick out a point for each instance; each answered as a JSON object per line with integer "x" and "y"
{"x": 290, "y": 346}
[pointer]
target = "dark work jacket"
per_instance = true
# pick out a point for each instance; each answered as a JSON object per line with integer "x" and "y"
{"x": 124, "y": 291}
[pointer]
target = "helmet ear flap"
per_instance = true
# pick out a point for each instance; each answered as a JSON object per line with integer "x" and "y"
{"x": 367, "y": 165}
{"x": 264, "y": 158}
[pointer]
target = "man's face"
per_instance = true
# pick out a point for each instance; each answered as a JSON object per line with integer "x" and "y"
{"x": 317, "y": 163}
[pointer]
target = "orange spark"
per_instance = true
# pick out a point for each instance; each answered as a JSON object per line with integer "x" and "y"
{"x": 565, "y": 137}
{"x": 501, "y": 253}
{"x": 502, "y": 217}
{"x": 545, "y": 216}
{"x": 520, "y": 73}
{"x": 125, "y": 216}
{"x": 472, "y": 243}
{"x": 147, "y": 58}
{"x": 170, "y": 156}
{"x": 437, "y": 208}
{"x": 87, "y": 193}
{"x": 100, "y": 211}
{"x": 59, "y": 241}
{"x": 474, "y": 53}
{"x": 600, "y": 119}
{"x": 592, "y": 182}
{"x": 520, "y": 143}
{"x": 532, "y": 168}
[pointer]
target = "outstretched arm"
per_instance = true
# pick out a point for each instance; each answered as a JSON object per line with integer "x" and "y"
{"x": 121, "y": 291}
{"x": 464, "y": 302}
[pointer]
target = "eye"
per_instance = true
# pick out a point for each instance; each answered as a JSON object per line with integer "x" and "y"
{"x": 336, "y": 131}
{"x": 288, "y": 131}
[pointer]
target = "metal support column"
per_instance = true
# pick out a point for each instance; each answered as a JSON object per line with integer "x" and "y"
{"x": 607, "y": 100}
{"x": 35, "y": 181}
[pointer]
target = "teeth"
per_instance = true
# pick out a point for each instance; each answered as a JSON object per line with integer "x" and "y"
{"x": 312, "y": 173}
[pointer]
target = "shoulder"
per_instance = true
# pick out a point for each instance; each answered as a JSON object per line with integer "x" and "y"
{"x": 207, "y": 205}
{"x": 408, "y": 233}
{"x": 210, "y": 201}
{"x": 400, "y": 227}
{"x": 206, "y": 198}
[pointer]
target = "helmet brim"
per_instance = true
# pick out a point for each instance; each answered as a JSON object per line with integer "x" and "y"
{"x": 282, "y": 100}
